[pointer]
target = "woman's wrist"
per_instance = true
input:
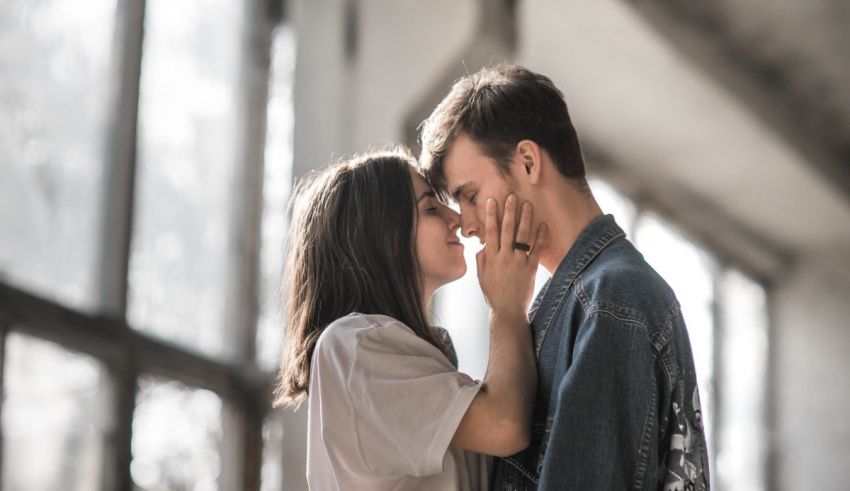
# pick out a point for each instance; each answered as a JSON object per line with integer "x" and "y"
{"x": 508, "y": 318}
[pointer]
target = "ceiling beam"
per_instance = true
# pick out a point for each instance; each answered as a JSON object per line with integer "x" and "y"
{"x": 812, "y": 127}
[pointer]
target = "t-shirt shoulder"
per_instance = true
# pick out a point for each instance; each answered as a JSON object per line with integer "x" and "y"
{"x": 407, "y": 397}
{"x": 376, "y": 332}
{"x": 356, "y": 324}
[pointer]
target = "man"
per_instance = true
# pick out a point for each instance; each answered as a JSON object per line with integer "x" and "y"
{"x": 617, "y": 402}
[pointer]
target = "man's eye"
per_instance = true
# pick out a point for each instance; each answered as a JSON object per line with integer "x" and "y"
{"x": 473, "y": 198}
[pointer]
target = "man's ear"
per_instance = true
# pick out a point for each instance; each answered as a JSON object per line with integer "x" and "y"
{"x": 529, "y": 157}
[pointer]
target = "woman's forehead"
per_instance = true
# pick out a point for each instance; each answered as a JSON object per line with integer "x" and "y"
{"x": 420, "y": 185}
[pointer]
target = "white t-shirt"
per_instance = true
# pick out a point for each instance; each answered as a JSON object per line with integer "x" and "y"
{"x": 384, "y": 405}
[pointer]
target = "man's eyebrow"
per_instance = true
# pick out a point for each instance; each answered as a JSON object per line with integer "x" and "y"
{"x": 463, "y": 188}
{"x": 426, "y": 194}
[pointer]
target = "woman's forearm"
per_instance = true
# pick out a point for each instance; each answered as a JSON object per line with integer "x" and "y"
{"x": 498, "y": 421}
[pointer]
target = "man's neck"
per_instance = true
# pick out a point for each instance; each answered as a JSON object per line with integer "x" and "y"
{"x": 569, "y": 211}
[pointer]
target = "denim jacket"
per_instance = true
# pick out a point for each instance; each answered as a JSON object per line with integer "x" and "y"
{"x": 617, "y": 402}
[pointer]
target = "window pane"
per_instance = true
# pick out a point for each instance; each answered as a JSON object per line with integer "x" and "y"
{"x": 687, "y": 269}
{"x": 186, "y": 156}
{"x": 55, "y": 428}
{"x": 742, "y": 444}
{"x": 271, "y": 478}
{"x": 276, "y": 189}
{"x": 177, "y": 434}
{"x": 55, "y": 58}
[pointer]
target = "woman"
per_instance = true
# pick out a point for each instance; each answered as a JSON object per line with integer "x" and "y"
{"x": 369, "y": 244}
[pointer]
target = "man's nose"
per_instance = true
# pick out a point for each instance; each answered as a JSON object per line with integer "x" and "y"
{"x": 468, "y": 224}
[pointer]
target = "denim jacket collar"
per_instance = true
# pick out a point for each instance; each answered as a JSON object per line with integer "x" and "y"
{"x": 602, "y": 231}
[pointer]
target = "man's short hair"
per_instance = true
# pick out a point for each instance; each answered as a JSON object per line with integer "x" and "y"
{"x": 497, "y": 107}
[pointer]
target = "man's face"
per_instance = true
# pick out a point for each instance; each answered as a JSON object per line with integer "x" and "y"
{"x": 472, "y": 177}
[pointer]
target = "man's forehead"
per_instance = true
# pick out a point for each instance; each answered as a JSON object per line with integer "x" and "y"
{"x": 466, "y": 166}
{"x": 461, "y": 170}
{"x": 461, "y": 151}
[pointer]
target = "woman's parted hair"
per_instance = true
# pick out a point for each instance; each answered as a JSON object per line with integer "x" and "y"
{"x": 351, "y": 248}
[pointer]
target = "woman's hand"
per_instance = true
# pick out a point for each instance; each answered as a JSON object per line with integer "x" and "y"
{"x": 506, "y": 275}
{"x": 498, "y": 421}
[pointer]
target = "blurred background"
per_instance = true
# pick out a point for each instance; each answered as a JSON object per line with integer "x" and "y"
{"x": 148, "y": 148}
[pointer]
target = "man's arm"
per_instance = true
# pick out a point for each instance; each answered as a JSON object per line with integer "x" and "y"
{"x": 603, "y": 433}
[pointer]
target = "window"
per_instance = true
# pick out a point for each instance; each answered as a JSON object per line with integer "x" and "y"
{"x": 742, "y": 442}
{"x": 177, "y": 437}
{"x": 56, "y": 418}
{"x": 173, "y": 390}
{"x": 272, "y": 477}
{"x": 186, "y": 161}
{"x": 55, "y": 94}
{"x": 277, "y": 184}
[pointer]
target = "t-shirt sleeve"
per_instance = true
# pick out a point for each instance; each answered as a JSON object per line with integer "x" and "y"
{"x": 408, "y": 400}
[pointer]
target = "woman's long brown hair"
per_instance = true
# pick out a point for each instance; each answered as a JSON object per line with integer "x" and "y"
{"x": 351, "y": 248}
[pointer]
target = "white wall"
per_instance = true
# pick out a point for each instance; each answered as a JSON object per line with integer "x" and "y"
{"x": 343, "y": 106}
{"x": 811, "y": 345}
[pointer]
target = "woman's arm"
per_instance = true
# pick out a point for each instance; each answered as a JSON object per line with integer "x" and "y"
{"x": 498, "y": 421}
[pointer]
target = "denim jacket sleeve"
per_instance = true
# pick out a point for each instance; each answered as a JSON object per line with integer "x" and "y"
{"x": 605, "y": 410}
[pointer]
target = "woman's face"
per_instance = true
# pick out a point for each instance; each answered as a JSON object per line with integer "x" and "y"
{"x": 438, "y": 249}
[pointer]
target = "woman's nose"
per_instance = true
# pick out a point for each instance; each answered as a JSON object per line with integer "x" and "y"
{"x": 452, "y": 218}
{"x": 468, "y": 225}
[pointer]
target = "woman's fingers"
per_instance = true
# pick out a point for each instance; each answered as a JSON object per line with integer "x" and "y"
{"x": 523, "y": 232}
{"x": 491, "y": 227}
{"x": 508, "y": 223}
{"x": 503, "y": 236}
{"x": 507, "y": 278}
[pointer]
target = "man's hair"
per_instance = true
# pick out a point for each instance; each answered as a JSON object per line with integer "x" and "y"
{"x": 497, "y": 107}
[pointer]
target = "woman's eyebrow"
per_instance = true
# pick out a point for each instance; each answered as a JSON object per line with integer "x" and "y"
{"x": 426, "y": 194}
